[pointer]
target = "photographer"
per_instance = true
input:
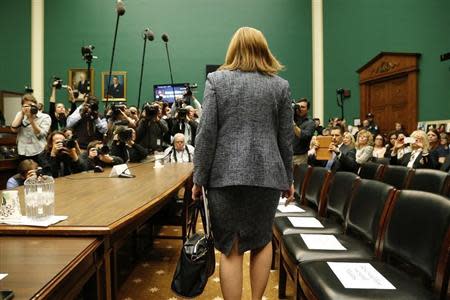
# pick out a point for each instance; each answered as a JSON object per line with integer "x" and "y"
{"x": 26, "y": 169}
{"x": 182, "y": 124}
{"x": 187, "y": 99}
{"x": 96, "y": 157}
{"x": 303, "y": 131}
{"x": 150, "y": 131}
{"x": 86, "y": 123}
{"x": 57, "y": 111}
{"x": 60, "y": 157}
{"x": 117, "y": 116}
{"x": 32, "y": 127}
{"x": 124, "y": 145}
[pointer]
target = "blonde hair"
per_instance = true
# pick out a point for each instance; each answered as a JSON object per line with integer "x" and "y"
{"x": 248, "y": 51}
{"x": 422, "y": 135}
{"x": 350, "y": 136}
{"x": 365, "y": 133}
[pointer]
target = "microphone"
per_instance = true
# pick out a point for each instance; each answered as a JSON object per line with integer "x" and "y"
{"x": 148, "y": 34}
{"x": 124, "y": 174}
{"x": 120, "y": 8}
{"x": 165, "y": 37}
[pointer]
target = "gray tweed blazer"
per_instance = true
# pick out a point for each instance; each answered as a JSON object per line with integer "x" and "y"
{"x": 245, "y": 133}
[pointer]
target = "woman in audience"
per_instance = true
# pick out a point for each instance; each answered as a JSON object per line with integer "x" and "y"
{"x": 392, "y": 138}
{"x": 231, "y": 144}
{"x": 348, "y": 140}
{"x": 379, "y": 150}
{"x": 364, "y": 146}
{"x": 418, "y": 157}
{"x": 434, "y": 140}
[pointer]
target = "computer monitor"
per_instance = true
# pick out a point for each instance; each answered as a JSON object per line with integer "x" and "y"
{"x": 167, "y": 92}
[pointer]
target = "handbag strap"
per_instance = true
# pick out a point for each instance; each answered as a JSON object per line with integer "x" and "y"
{"x": 205, "y": 214}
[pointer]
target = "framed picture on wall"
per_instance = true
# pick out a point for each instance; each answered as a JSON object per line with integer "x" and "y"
{"x": 116, "y": 87}
{"x": 78, "y": 81}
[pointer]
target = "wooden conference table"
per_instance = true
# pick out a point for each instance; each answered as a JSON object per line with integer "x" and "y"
{"x": 108, "y": 208}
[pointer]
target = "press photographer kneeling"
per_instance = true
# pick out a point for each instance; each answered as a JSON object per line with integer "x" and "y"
{"x": 60, "y": 157}
{"x": 96, "y": 157}
{"x": 124, "y": 145}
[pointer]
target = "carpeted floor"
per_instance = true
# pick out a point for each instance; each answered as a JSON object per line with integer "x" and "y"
{"x": 151, "y": 278}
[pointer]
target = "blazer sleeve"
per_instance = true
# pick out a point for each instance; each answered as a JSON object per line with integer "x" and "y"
{"x": 285, "y": 132}
{"x": 348, "y": 161}
{"x": 205, "y": 141}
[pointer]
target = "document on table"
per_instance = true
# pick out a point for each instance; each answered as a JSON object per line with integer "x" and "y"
{"x": 289, "y": 208}
{"x": 306, "y": 222}
{"x": 359, "y": 276}
{"x": 321, "y": 242}
{"x": 23, "y": 220}
{"x": 2, "y": 275}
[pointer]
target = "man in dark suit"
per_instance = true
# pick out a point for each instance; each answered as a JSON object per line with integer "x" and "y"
{"x": 343, "y": 157}
{"x": 116, "y": 89}
{"x": 446, "y": 165}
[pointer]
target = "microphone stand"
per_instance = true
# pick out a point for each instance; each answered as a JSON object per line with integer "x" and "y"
{"x": 170, "y": 71}
{"x": 112, "y": 60}
{"x": 142, "y": 72}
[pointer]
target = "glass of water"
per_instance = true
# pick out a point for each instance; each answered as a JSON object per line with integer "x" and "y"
{"x": 39, "y": 197}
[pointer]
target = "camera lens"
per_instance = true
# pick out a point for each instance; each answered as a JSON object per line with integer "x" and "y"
{"x": 33, "y": 109}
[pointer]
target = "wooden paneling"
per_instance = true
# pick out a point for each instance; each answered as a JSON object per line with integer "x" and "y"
{"x": 388, "y": 84}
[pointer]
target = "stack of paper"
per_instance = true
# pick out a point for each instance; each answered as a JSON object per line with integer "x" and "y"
{"x": 359, "y": 276}
{"x": 321, "y": 242}
{"x": 306, "y": 222}
{"x": 23, "y": 220}
{"x": 289, "y": 208}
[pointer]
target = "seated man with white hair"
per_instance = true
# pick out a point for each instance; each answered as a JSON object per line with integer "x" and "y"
{"x": 179, "y": 152}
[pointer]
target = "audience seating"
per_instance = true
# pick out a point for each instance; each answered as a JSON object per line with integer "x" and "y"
{"x": 429, "y": 180}
{"x": 370, "y": 170}
{"x": 365, "y": 219}
{"x": 397, "y": 176}
{"x": 413, "y": 254}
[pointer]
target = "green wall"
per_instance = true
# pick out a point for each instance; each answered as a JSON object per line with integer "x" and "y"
{"x": 199, "y": 32}
{"x": 355, "y": 31}
{"x": 15, "y": 53}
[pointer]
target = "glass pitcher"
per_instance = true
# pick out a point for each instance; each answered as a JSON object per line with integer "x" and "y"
{"x": 39, "y": 197}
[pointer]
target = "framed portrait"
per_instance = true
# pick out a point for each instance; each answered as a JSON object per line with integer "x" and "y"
{"x": 78, "y": 81}
{"x": 117, "y": 88}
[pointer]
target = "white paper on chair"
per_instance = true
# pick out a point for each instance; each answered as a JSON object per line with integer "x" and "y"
{"x": 359, "y": 276}
{"x": 289, "y": 208}
{"x": 3, "y": 276}
{"x": 305, "y": 222}
{"x": 321, "y": 242}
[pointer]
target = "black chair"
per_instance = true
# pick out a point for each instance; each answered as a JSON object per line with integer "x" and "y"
{"x": 429, "y": 180}
{"x": 370, "y": 170}
{"x": 397, "y": 176}
{"x": 365, "y": 219}
{"x": 414, "y": 254}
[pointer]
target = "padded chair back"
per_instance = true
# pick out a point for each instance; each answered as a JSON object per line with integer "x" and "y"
{"x": 368, "y": 209}
{"x": 342, "y": 187}
{"x": 429, "y": 180}
{"x": 317, "y": 189}
{"x": 397, "y": 176}
{"x": 301, "y": 176}
{"x": 417, "y": 225}
{"x": 370, "y": 170}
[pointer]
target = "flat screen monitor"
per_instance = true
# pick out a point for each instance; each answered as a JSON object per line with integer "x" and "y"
{"x": 167, "y": 92}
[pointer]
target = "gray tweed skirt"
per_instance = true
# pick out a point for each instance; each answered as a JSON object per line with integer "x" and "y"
{"x": 245, "y": 213}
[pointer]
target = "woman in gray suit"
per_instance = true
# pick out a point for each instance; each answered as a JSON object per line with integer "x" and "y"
{"x": 243, "y": 157}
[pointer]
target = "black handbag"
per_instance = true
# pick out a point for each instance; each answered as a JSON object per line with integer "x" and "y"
{"x": 197, "y": 260}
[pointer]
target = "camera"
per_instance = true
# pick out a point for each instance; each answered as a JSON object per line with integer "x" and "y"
{"x": 33, "y": 109}
{"x": 28, "y": 90}
{"x": 343, "y": 93}
{"x": 182, "y": 112}
{"x": 58, "y": 83}
{"x": 86, "y": 52}
{"x": 103, "y": 150}
{"x": 117, "y": 108}
{"x": 92, "y": 104}
{"x": 70, "y": 143}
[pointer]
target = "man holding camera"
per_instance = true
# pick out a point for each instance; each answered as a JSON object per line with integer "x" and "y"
{"x": 150, "y": 131}
{"x": 86, "y": 123}
{"x": 32, "y": 127}
{"x": 303, "y": 131}
{"x": 182, "y": 124}
{"x": 96, "y": 157}
{"x": 124, "y": 145}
